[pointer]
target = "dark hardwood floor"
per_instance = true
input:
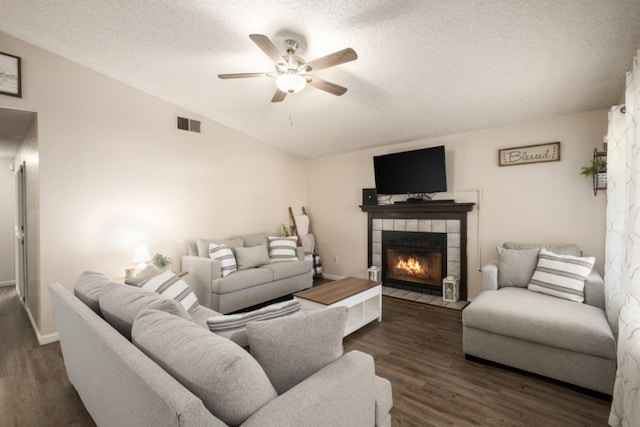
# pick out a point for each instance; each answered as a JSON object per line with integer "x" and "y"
{"x": 417, "y": 347}
{"x": 34, "y": 389}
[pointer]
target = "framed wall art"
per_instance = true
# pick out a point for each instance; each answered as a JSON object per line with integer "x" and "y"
{"x": 549, "y": 152}
{"x": 10, "y": 78}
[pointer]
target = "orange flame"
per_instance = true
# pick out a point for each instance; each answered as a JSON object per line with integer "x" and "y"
{"x": 411, "y": 266}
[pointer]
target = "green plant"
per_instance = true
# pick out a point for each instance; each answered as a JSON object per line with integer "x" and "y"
{"x": 598, "y": 165}
{"x": 285, "y": 231}
{"x": 161, "y": 261}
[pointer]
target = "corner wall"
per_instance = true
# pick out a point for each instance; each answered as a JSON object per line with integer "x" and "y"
{"x": 542, "y": 202}
{"x": 116, "y": 173}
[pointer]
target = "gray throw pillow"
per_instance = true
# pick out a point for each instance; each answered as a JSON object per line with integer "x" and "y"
{"x": 225, "y": 377}
{"x": 516, "y": 266}
{"x": 254, "y": 256}
{"x": 120, "y": 304}
{"x": 88, "y": 286}
{"x": 292, "y": 348}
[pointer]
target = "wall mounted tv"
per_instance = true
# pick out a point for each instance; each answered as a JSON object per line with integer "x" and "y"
{"x": 417, "y": 172}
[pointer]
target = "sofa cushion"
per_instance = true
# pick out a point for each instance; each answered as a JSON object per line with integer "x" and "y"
{"x": 225, "y": 377}
{"x": 226, "y": 257}
{"x": 242, "y": 279}
{"x": 251, "y": 257}
{"x": 542, "y": 319}
{"x": 88, "y": 286}
{"x": 561, "y": 276}
{"x": 171, "y": 286}
{"x": 282, "y": 249}
{"x": 232, "y": 326}
{"x": 283, "y": 270}
{"x": 254, "y": 239}
{"x": 568, "y": 249}
{"x": 120, "y": 304}
{"x": 203, "y": 245}
{"x": 516, "y": 266}
{"x": 292, "y": 348}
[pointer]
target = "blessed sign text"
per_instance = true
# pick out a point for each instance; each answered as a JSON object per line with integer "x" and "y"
{"x": 529, "y": 154}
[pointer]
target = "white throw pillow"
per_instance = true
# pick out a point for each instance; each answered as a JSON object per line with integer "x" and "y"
{"x": 561, "y": 276}
{"x": 226, "y": 257}
{"x": 283, "y": 249}
{"x": 172, "y": 287}
{"x": 232, "y": 326}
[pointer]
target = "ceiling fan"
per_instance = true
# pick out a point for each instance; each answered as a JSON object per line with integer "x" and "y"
{"x": 292, "y": 72}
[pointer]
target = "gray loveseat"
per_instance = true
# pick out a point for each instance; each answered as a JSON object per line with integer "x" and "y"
{"x": 245, "y": 287}
{"x": 122, "y": 384}
{"x": 565, "y": 340}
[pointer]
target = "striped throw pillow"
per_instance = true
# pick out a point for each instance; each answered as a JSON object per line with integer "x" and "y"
{"x": 561, "y": 276}
{"x": 282, "y": 249}
{"x": 226, "y": 257}
{"x": 172, "y": 287}
{"x": 233, "y": 322}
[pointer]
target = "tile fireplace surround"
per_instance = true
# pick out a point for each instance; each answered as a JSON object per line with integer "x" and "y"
{"x": 433, "y": 217}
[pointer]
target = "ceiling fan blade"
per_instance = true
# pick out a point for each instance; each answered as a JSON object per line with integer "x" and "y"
{"x": 243, "y": 75}
{"x": 278, "y": 96}
{"x": 267, "y": 47}
{"x": 332, "y": 88}
{"x": 333, "y": 59}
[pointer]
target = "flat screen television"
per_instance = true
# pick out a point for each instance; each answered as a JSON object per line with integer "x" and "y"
{"x": 413, "y": 172}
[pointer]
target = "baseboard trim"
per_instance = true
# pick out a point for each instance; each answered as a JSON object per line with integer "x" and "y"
{"x": 8, "y": 283}
{"x": 332, "y": 276}
{"x": 42, "y": 339}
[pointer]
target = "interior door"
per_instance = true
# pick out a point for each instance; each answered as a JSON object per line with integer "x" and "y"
{"x": 21, "y": 233}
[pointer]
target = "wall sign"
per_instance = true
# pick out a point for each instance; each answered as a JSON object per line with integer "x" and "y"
{"x": 549, "y": 152}
{"x": 10, "y": 79}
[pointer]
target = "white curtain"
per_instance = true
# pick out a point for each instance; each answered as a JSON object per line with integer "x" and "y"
{"x": 622, "y": 264}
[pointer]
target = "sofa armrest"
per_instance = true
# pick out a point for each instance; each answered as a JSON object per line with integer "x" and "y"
{"x": 341, "y": 393}
{"x": 202, "y": 271}
{"x": 300, "y": 253}
{"x": 594, "y": 290}
{"x": 490, "y": 276}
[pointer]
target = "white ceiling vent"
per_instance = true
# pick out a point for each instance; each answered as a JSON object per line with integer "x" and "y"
{"x": 188, "y": 124}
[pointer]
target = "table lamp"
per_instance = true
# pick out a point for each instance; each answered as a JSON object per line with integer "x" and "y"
{"x": 141, "y": 257}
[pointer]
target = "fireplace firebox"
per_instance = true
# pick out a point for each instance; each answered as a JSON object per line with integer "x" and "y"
{"x": 414, "y": 261}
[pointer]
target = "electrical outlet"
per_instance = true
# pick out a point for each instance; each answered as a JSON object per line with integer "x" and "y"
{"x": 335, "y": 259}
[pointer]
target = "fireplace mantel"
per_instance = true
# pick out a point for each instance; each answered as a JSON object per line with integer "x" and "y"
{"x": 400, "y": 210}
{"x": 423, "y": 211}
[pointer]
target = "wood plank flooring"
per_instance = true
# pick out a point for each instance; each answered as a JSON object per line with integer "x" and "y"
{"x": 417, "y": 347}
{"x": 34, "y": 389}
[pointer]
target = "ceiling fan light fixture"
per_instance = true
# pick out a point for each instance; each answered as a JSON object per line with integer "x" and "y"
{"x": 290, "y": 82}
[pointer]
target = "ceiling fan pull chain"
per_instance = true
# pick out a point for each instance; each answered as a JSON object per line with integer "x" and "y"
{"x": 291, "y": 111}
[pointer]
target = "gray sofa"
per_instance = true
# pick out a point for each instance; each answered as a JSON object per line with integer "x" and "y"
{"x": 565, "y": 340}
{"x": 245, "y": 287}
{"x": 122, "y": 384}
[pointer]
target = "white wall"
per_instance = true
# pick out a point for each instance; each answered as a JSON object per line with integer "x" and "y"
{"x": 7, "y": 207}
{"x": 543, "y": 202}
{"x": 115, "y": 173}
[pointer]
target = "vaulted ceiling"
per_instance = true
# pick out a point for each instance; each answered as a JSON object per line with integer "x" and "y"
{"x": 425, "y": 67}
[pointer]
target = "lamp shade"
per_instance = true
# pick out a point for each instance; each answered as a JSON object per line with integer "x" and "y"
{"x": 290, "y": 82}
{"x": 141, "y": 255}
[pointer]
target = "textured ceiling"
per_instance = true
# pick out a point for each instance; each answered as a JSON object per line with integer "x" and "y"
{"x": 425, "y": 68}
